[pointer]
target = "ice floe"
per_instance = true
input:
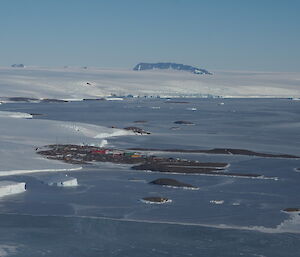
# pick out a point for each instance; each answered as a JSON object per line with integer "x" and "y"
{"x": 217, "y": 201}
{"x": 59, "y": 180}
{"x": 154, "y": 202}
{"x": 7, "y": 250}
{"x": 11, "y": 187}
{"x": 22, "y": 115}
{"x": 94, "y": 131}
{"x": 20, "y": 172}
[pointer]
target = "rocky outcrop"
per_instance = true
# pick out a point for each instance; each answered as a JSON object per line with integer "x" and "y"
{"x": 292, "y": 210}
{"x": 172, "y": 183}
{"x": 18, "y": 65}
{"x": 137, "y": 130}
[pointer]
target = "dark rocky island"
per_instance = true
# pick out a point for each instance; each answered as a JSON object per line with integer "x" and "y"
{"x": 169, "y": 65}
{"x": 36, "y": 114}
{"x": 85, "y": 154}
{"x": 138, "y": 130}
{"x": 292, "y": 210}
{"x": 177, "y": 167}
{"x": 22, "y": 99}
{"x": 184, "y": 122}
{"x": 172, "y": 183}
{"x": 225, "y": 151}
{"x": 31, "y": 99}
{"x": 93, "y": 99}
{"x": 18, "y": 65}
{"x": 176, "y": 102}
{"x": 52, "y": 100}
{"x": 140, "y": 121}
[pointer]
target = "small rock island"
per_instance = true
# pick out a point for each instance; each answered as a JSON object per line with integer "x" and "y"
{"x": 172, "y": 183}
{"x": 291, "y": 209}
{"x": 184, "y": 122}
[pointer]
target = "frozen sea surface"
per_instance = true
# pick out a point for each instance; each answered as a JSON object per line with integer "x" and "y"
{"x": 270, "y": 125}
{"x": 85, "y": 236}
{"x": 104, "y": 216}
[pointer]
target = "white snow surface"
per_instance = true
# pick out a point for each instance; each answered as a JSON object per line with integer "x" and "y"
{"x": 15, "y": 115}
{"x": 19, "y": 139}
{"x": 76, "y": 83}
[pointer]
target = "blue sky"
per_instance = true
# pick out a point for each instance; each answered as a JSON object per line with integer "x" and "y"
{"x": 259, "y": 35}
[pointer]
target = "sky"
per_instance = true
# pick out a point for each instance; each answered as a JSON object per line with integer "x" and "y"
{"x": 261, "y": 35}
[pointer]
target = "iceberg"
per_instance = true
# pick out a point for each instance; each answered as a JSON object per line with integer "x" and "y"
{"x": 21, "y": 115}
{"x": 60, "y": 181}
{"x": 217, "y": 201}
{"x": 11, "y": 187}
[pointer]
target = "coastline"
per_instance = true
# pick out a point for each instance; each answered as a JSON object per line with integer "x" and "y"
{"x": 21, "y": 135}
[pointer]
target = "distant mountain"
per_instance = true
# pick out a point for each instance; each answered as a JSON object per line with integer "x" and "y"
{"x": 169, "y": 65}
{"x": 18, "y": 65}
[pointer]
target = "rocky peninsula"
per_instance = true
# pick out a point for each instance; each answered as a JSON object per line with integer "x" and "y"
{"x": 85, "y": 154}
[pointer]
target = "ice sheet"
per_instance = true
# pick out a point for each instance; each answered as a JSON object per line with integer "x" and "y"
{"x": 75, "y": 83}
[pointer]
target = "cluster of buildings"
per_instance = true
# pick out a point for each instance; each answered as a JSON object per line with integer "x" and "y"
{"x": 116, "y": 153}
{"x": 84, "y": 154}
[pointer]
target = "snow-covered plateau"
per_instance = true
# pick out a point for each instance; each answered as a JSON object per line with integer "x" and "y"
{"x": 76, "y": 83}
